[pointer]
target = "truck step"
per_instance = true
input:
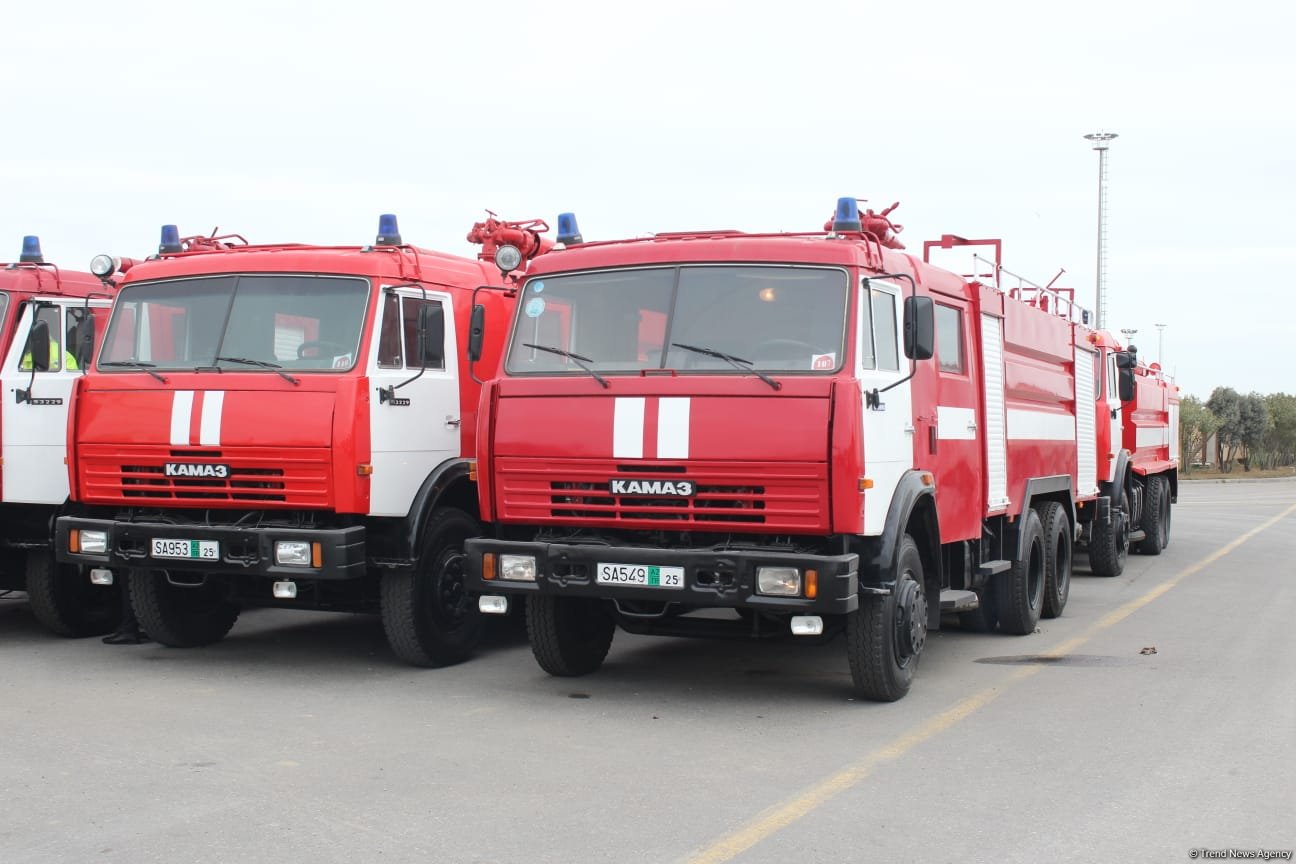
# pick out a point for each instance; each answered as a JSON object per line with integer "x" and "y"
{"x": 990, "y": 568}
{"x": 958, "y": 601}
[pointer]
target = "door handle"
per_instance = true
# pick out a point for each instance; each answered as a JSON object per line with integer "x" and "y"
{"x": 453, "y": 421}
{"x": 972, "y": 427}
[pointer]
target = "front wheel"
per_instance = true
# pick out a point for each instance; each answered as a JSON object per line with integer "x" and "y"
{"x": 569, "y": 635}
{"x": 1057, "y": 558}
{"x": 885, "y": 635}
{"x": 1021, "y": 590}
{"x": 426, "y": 612}
{"x": 1156, "y": 517}
{"x": 182, "y": 616}
{"x": 63, "y": 600}
{"x": 1109, "y": 541}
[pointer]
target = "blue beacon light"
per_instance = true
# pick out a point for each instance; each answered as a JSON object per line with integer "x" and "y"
{"x": 388, "y": 232}
{"x": 568, "y": 231}
{"x": 170, "y": 240}
{"x": 31, "y": 251}
{"x": 847, "y": 217}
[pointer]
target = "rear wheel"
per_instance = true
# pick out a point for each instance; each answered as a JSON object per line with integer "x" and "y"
{"x": 1021, "y": 590}
{"x": 427, "y": 614}
{"x": 64, "y": 601}
{"x": 885, "y": 635}
{"x": 569, "y": 635}
{"x": 1057, "y": 558}
{"x": 182, "y": 616}
{"x": 1109, "y": 541}
{"x": 1156, "y": 517}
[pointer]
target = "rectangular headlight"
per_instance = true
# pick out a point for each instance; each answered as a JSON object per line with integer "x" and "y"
{"x": 778, "y": 581}
{"x": 518, "y": 568}
{"x": 293, "y": 553}
{"x": 94, "y": 542}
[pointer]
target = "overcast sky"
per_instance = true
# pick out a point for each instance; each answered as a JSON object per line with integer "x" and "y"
{"x": 304, "y": 121}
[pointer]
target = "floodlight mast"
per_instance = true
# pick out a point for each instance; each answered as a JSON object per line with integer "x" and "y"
{"x": 1101, "y": 142}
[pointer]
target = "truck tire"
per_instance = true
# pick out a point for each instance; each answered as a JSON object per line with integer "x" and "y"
{"x": 569, "y": 635}
{"x": 1057, "y": 558}
{"x": 64, "y": 601}
{"x": 1021, "y": 590}
{"x": 1109, "y": 542}
{"x": 1156, "y": 517}
{"x": 885, "y": 635}
{"x": 984, "y": 618}
{"x": 426, "y": 612}
{"x": 181, "y": 616}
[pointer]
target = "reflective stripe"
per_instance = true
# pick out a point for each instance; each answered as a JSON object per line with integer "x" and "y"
{"x": 181, "y": 409}
{"x": 628, "y": 427}
{"x": 209, "y": 431}
{"x": 673, "y": 428}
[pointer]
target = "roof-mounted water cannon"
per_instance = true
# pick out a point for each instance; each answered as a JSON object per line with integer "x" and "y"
{"x": 509, "y": 244}
{"x": 31, "y": 251}
{"x": 848, "y": 220}
{"x": 388, "y": 231}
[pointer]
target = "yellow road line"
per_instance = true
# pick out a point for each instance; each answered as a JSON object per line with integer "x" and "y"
{"x": 780, "y": 816}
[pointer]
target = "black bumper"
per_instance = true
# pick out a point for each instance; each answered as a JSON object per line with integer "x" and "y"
{"x": 712, "y": 578}
{"x": 242, "y": 550}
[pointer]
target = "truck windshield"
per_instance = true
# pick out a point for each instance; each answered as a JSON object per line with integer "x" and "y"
{"x": 716, "y": 319}
{"x": 248, "y": 323}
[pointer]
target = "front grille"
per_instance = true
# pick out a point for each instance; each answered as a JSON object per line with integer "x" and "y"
{"x": 728, "y": 496}
{"x": 261, "y": 477}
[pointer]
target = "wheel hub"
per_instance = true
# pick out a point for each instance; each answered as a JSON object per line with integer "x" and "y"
{"x": 911, "y": 619}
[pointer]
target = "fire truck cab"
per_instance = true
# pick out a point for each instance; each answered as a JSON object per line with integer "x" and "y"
{"x": 286, "y": 425}
{"x": 760, "y": 436}
{"x": 50, "y": 321}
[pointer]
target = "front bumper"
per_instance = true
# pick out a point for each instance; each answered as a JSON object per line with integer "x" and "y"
{"x": 242, "y": 550}
{"x": 712, "y": 578}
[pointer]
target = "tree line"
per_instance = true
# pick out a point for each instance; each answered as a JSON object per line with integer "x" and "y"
{"x": 1252, "y": 430}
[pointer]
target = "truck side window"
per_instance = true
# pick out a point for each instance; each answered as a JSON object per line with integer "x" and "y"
{"x": 884, "y": 330}
{"x": 1098, "y": 375}
{"x": 868, "y": 358}
{"x": 434, "y": 347}
{"x": 949, "y": 339}
{"x": 50, "y": 315}
{"x": 389, "y": 338}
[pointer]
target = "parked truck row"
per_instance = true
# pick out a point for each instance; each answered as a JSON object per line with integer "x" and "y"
{"x": 795, "y": 436}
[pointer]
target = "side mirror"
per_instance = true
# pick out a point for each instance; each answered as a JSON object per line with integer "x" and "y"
{"x": 1125, "y": 360}
{"x": 919, "y": 328}
{"x": 38, "y": 346}
{"x": 476, "y": 332}
{"x": 431, "y": 333}
{"x": 1124, "y": 381}
{"x": 85, "y": 341}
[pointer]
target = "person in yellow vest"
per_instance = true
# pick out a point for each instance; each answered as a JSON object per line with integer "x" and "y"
{"x": 55, "y": 349}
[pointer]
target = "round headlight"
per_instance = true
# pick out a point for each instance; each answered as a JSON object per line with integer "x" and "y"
{"x": 508, "y": 258}
{"x": 103, "y": 265}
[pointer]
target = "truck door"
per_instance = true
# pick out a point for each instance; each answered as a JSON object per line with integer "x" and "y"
{"x": 1115, "y": 410}
{"x": 35, "y": 410}
{"x": 414, "y": 421}
{"x": 888, "y": 427}
{"x": 953, "y": 440}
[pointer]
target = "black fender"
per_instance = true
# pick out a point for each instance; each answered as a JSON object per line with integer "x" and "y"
{"x": 909, "y": 491}
{"x": 1121, "y": 475}
{"x": 1039, "y": 487}
{"x": 428, "y": 497}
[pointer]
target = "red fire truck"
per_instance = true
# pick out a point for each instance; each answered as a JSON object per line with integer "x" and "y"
{"x": 290, "y": 425}
{"x": 48, "y": 321}
{"x": 754, "y": 435}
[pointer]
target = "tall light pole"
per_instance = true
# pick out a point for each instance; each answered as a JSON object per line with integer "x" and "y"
{"x": 1100, "y": 143}
{"x": 1128, "y": 333}
{"x": 1160, "y": 345}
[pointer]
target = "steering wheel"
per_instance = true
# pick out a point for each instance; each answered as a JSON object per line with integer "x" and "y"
{"x": 784, "y": 346}
{"x": 320, "y": 345}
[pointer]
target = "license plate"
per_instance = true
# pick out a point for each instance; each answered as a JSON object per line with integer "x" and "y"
{"x": 642, "y": 575}
{"x": 202, "y": 550}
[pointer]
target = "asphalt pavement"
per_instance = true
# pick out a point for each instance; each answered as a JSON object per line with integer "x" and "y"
{"x": 1156, "y": 718}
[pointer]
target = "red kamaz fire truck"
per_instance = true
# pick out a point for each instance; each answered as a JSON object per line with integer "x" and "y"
{"x": 290, "y": 425}
{"x": 817, "y": 432}
{"x": 48, "y": 321}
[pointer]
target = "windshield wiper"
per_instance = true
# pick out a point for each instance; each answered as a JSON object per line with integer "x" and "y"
{"x": 575, "y": 358}
{"x": 134, "y": 364}
{"x": 262, "y": 364}
{"x": 736, "y": 362}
